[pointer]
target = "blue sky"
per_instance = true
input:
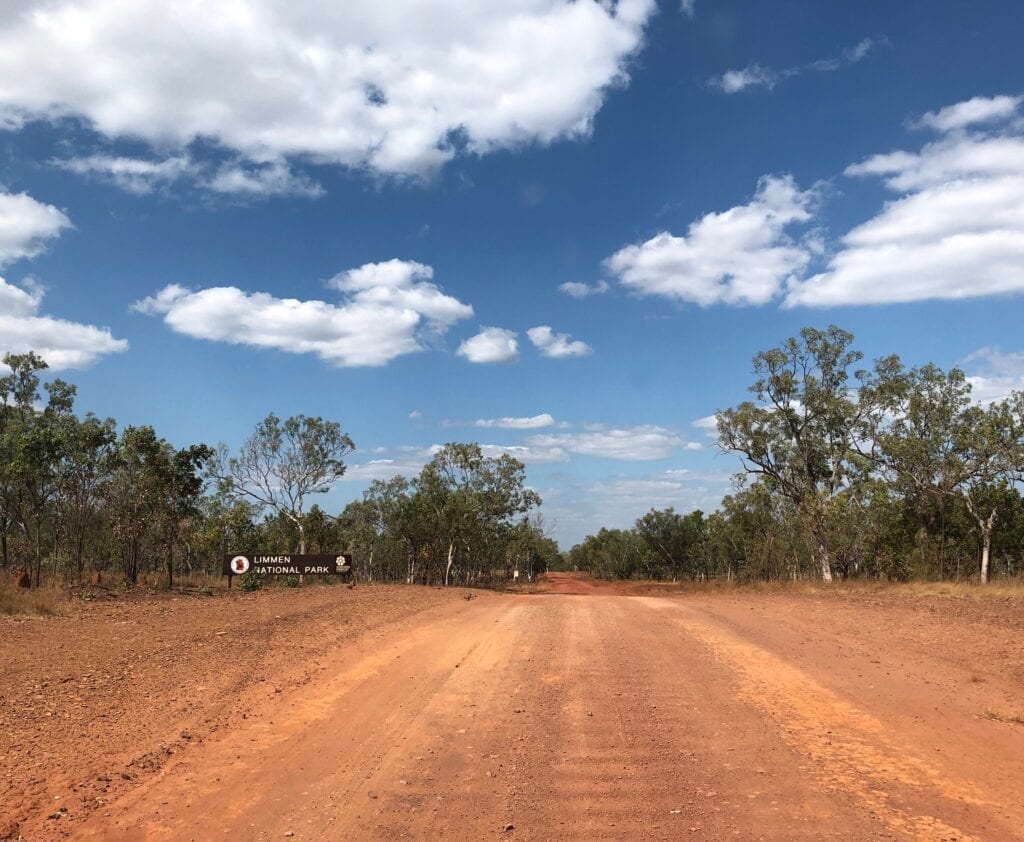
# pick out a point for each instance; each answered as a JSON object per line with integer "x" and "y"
{"x": 400, "y": 192}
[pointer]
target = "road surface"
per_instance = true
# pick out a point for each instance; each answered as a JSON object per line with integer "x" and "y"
{"x": 585, "y": 714}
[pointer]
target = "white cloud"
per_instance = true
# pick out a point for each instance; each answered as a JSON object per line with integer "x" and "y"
{"x": 751, "y": 76}
{"x": 709, "y": 424}
{"x": 275, "y": 178}
{"x": 977, "y": 110}
{"x": 993, "y": 374}
{"x": 575, "y": 289}
{"x": 956, "y": 229}
{"x": 135, "y": 175}
{"x": 758, "y": 76}
{"x": 491, "y": 345}
{"x": 397, "y": 87}
{"x": 525, "y": 454}
{"x": 384, "y": 469}
{"x": 639, "y": 443}
{"x": 387, "y": 310}
{"x": 740, "y": 256}
{"x": 531, "y": 422}
{"x": 240, "y": 178}
{"x": 688, "y": 7}
{"x": 61, "y": 343}
{"x": 557, "y": 345}
{"x": 26, "y": 225}
{"x": 415, "y": 415}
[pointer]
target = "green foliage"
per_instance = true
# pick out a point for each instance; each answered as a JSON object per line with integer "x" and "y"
{"x": 250, "y": 581}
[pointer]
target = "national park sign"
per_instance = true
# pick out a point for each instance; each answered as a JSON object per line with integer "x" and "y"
{"x": 239, "y": 564}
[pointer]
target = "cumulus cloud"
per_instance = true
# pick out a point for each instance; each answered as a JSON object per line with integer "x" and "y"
{"x": 977, "y": 110}
{"x": 63, "y": 344}
{"x": 557, "y": 345}
{"x": 575, "y": 289}
{"x": 525, "y": 454}
{"x": 384, "y": 469}
{"x": 994, "y": 373}
{"x": 491, "y": 345}
{"x": 755, "y": 76}
{"x": 275, "y": 178}
{"x": 397, "y": 87}
{"x": 531, "y": 422}
{"x": 740, "y": 256}
{"x": 26, "y": 226}
{"x": 956, "y": 227}
{"x": 709, "y": 424}
{"x": 135, "y": 175}
{"x": 387, "y": 310}
{"x": 639, "y": 443}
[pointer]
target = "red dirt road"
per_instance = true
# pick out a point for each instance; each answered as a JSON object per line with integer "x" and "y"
{"x": 597, "y": 715}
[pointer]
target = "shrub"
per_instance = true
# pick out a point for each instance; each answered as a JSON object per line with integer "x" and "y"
{"x": 250, "y": 582}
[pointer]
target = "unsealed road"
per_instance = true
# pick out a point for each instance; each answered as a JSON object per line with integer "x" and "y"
{"x": 591, "y": 716}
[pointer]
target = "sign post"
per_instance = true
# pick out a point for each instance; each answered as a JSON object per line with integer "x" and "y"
{"x": 238, "y": 564}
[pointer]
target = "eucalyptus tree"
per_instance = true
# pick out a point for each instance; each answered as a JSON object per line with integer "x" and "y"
{"x": 34, "y": 451}
{"x": 801, "y": 430}
{"x": 677, "y": 539}
{"x": 84, "y": 448}
{"x": 19, "y": 392}
{"x": 471, "y": 496}
{"x": 283, "y": 463}
{"x": 134, "y": 489}
{"x": 930, "y": 440}
{"x": 180, "y": 482}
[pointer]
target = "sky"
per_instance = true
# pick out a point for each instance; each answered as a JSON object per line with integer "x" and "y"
{"x": 559, "y": 229}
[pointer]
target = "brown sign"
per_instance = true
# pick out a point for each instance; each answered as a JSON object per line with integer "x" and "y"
{"x": 288, "y": 565}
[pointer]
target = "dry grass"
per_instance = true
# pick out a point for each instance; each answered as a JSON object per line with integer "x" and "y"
{"x": 1003, "y": 591}
{"x": 1006, "y": 590}
{"x": 40, "y": 601}
{"x": 1008, "y": 718}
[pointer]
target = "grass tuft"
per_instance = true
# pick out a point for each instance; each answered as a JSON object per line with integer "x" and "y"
{"x": 1008, "y": 718}
{"x": 44, "y": 601}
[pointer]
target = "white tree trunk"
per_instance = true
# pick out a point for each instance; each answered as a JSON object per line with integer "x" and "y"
{"x": 987, "y": 527}
{"x": 448, "y": 568}
{"x": 824, "y": 561}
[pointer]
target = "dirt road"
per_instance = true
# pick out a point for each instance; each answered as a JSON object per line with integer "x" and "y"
{"x": 584, "y": 714}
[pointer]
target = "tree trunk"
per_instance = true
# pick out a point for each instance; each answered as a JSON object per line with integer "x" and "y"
{"x": 448, "y": 567}
{"x": 39, "y": 553}
{"x": 987, "y": 527}
{"x": 79, "y": 553}
{"x": 823, "y": 558}
{"x": 170, "y": 565}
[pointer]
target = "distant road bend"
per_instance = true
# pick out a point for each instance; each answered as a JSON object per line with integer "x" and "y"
{"x": 588, "y": 713}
